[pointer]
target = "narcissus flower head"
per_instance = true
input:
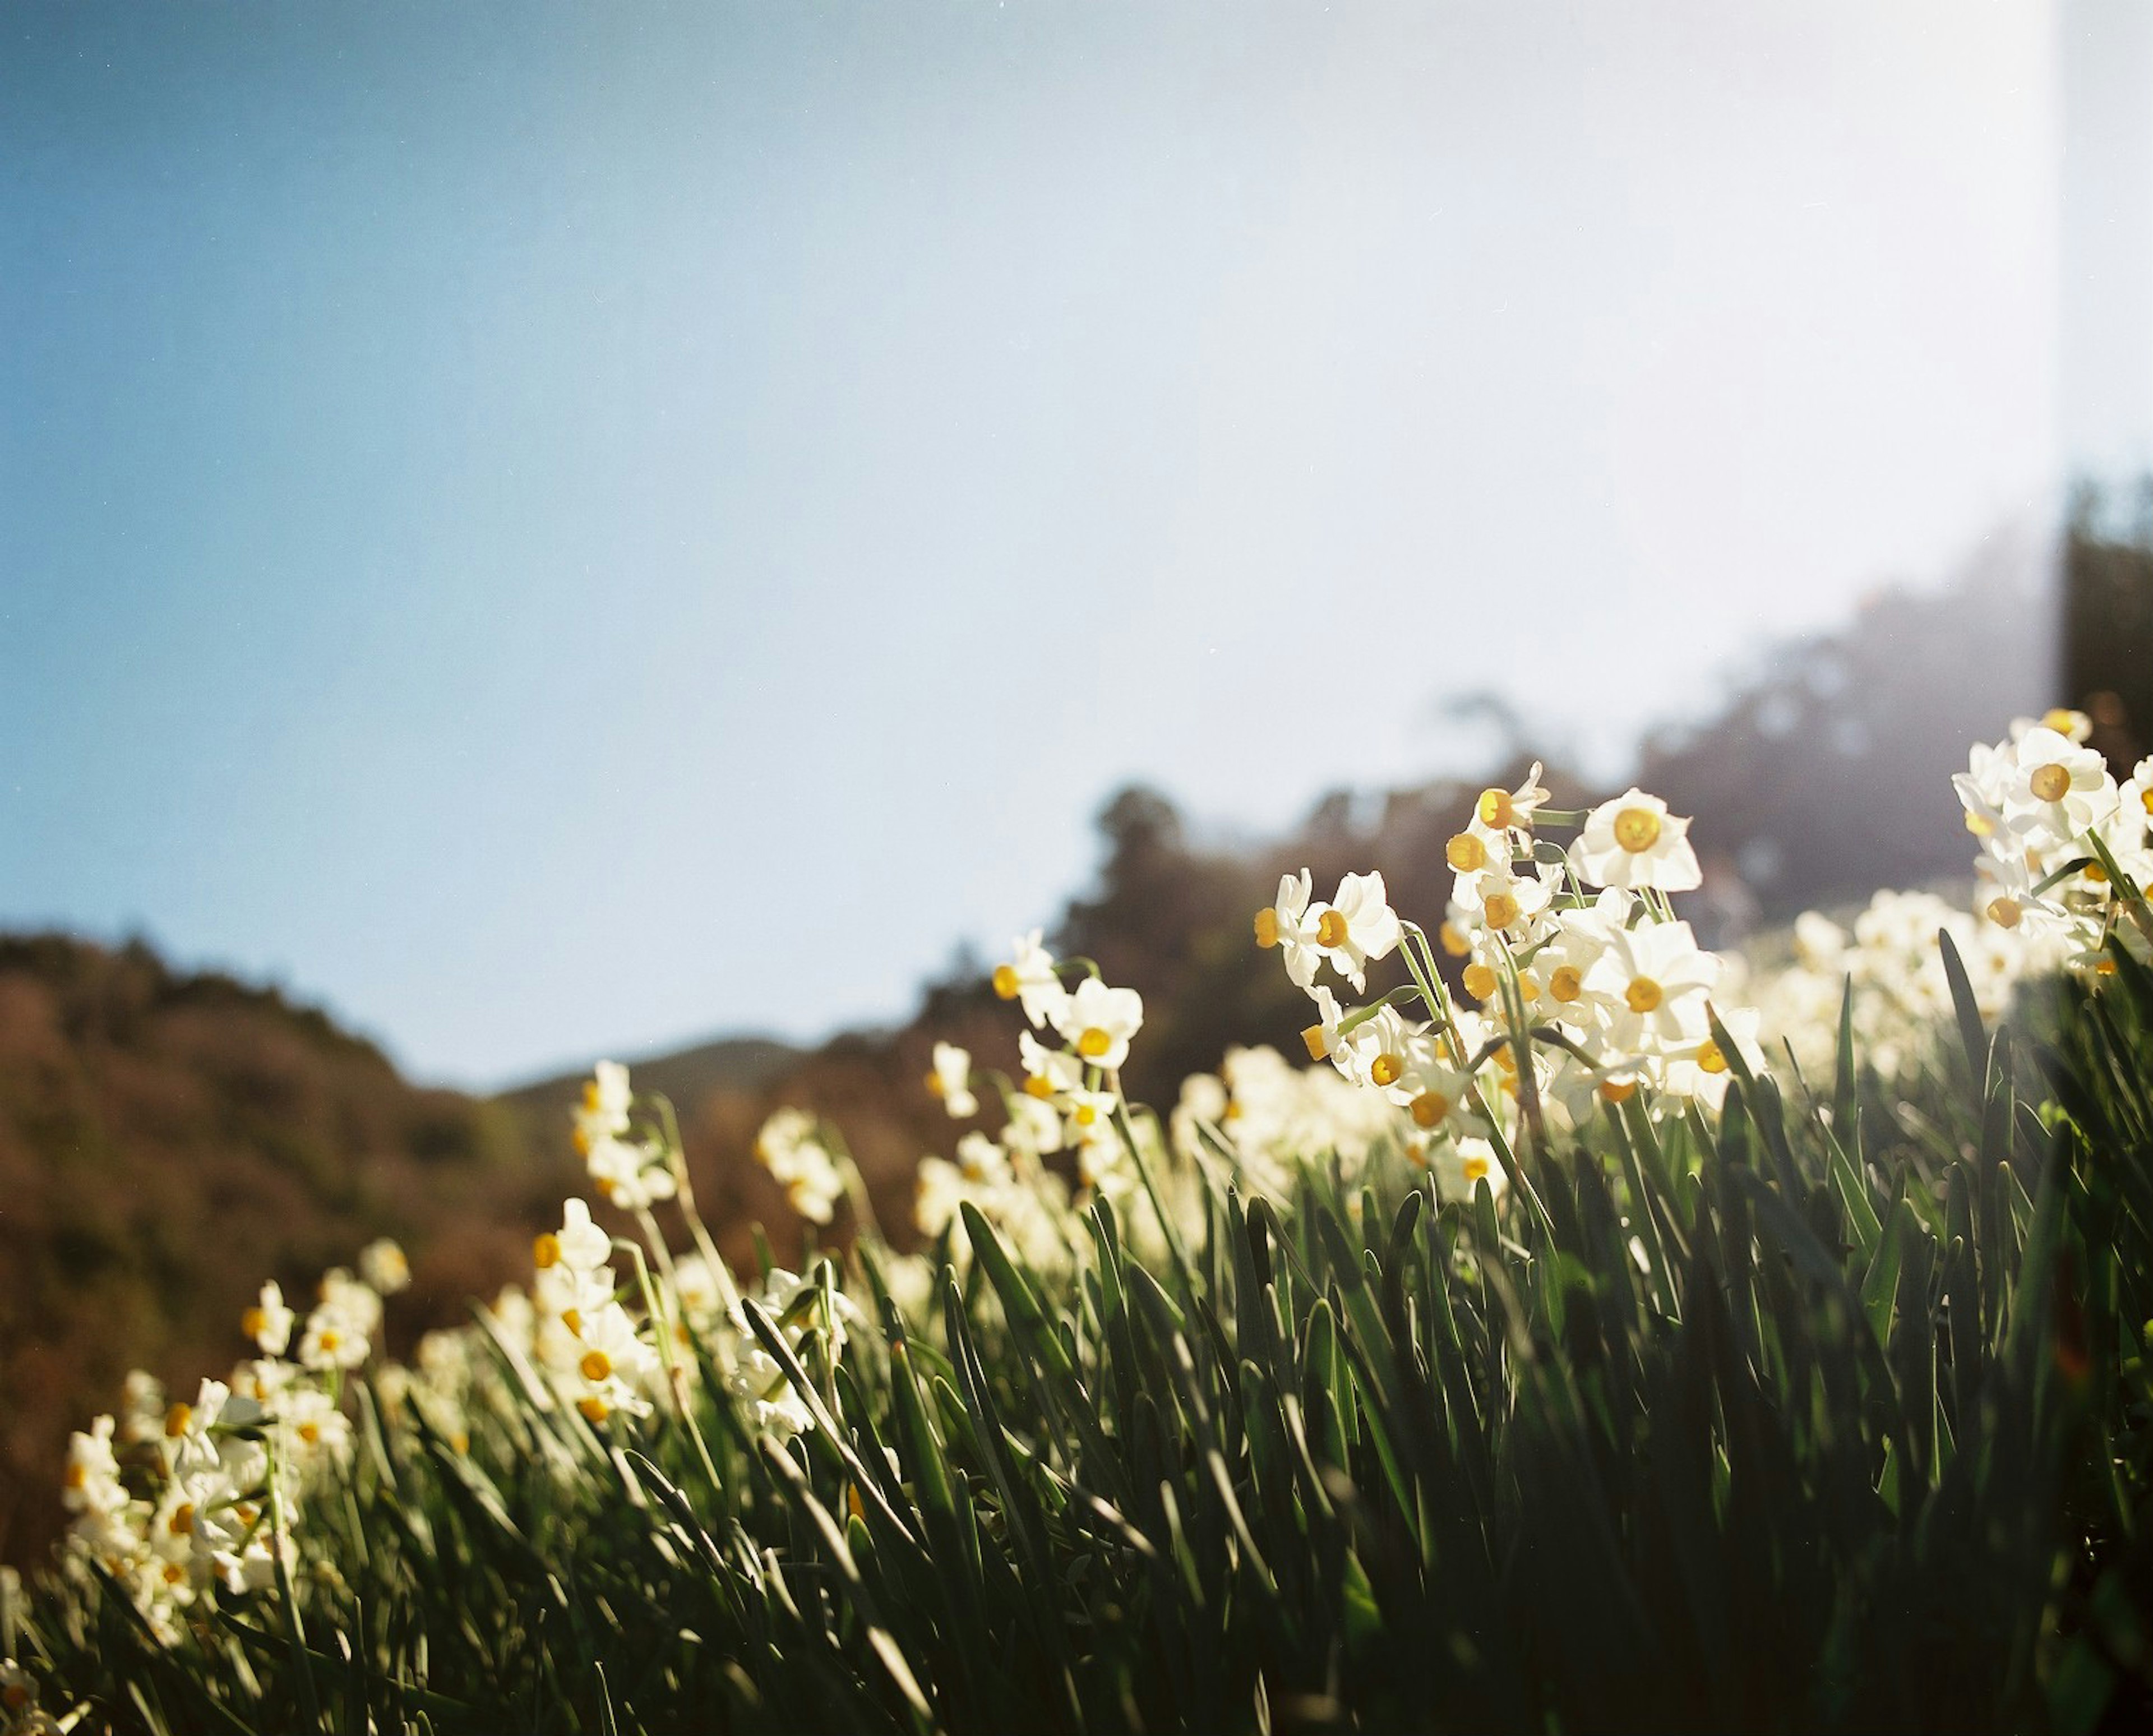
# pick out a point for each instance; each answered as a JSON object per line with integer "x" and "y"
{"x": 1098, "y": 1022}
{"x": 1634, "y": 841}
{"x": 951, "y": 1080}
{"x": 1356, "y": 926}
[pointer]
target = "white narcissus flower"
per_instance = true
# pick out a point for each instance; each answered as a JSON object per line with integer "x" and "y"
{"x": 937, "y": 1189}
{"x": 634, "y": 1174}
{"x": 1436, "y": 1094}
{"x": 951, "y": 1080}
{"x": 91, "y": 1483}
{"x": 1498, "y": 898}
{"x": 1651, "y": 983}
{"x": 1098, "y": 1022}
{"x": 2073, "y": 727}
{"x": 1981, "y": 786}
{"x": 603, "y": 1111}
{"x": 612, "y": 1363}
{"x": 579, "y": 1244}
{"x": 1634, "y": 841}
{"x": 1321, "y": 1039}
{"x": 340, "y": 1332}
{"x": 1356, "y": 926}
{"x": 269, "y": 1322}
{"x": 1029, "y": 977}
{"x": 2057, "y": 790}
{"x": 1383, "y": 1052}
{"x": 382, "y": 1263}
{"x": 1091, "y": 1117}
{"x": 1049, "y": 1074}
{"x": 1703, "y": 1071}
{"x": 1502, "y": 811}
{"x": 312, "y": 1427}
{"x": 1035, "y": 1127}
{"x": 790, "y": 1146}
{"x": 1462, "y": 1167}
{"x": 1286, "y": 925}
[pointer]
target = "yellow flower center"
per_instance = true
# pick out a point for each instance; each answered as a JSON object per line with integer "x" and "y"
{"x": 252, "y": 1322}
{"x": 1476, "y": 1170}
{"x": 1636, "y": 829}
{"x": 1038, "y": 1085}
{"x": 1567, "y": 983}
{"x": 1495, "y": 809}
{"x": 1316, "y": 1042}
{"x": 1267, "y": 926}
{"x": 1711, "y": 1058}
{"x": 2096, "y": 873}
{"x": 594, "y": 1408}
{"x": 1094, "y": 1043}
{"x": 1977, "y": 826}
{"x": 573, "y": 1318}
{"x": 1500, "y": 909}
{"x": 1331, "y": 929}
{"x": 78, "y": 1476}
{"x": 1466, "y": 853}
{"x": 330, "y": 1339}
{"x": 2146, "y": 801}
{"x": 2104, "y": 967}
{"x": 595, "y": 1365}
{"x": 1479, "y": 982}
{"x": 936, "y": 1088}
{"x": 246, "y": 1512}
{"x": 1386, "y": 1069}
{"x": 182, "y": 1521}
{"x": 177, "y": 1420}
{"x": 545, "y": 1249}
{"x": 1085, "y": 1114}
{"x": 173, "y": 1573}
{"x": 2060, "y": 719}
{"x": 1429, "y": 1108}
{"x": 1643, "y": 995}
{"x": 1505, "y": 1060}
{"x": 311, "y": 1434}
{"x": 2005, "y": 913}
{"x": 1617, "y": 1091}
{"x": 2049, "y": 783}
{"x": 1454, "y": 943}
{"x": 1006, "y": 984}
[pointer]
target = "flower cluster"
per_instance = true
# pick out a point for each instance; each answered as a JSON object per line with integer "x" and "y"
{"x": 1071, "y": 1056}
{"x": 792, "y": 1147}
{"x": 179, "y": 1500}
{"x": 1887, "y": 956}
{"x": 2066, "y": 850}
{"x": 1264, "y": 1116}
{"x": 1580, "y": 983}
{"x": 584, "y": 1338}
{"x": 635, "y": 1168}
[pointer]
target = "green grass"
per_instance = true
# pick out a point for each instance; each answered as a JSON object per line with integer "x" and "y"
{"x": 1831, "y": 1413}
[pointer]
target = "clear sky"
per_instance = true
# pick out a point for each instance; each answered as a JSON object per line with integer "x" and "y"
{"x": 563, "y": 529}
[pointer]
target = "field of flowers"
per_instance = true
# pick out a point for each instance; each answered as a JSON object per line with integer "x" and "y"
{"x": 1637, "y": 1338}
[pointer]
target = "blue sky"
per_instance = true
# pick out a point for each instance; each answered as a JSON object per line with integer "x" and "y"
{"x": 562, "y": 529}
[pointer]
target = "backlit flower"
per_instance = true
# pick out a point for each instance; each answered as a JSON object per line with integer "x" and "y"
{"x": 1634, "y": 841}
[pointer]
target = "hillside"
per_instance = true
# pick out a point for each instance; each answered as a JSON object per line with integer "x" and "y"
{"x": 167, "y": 1141}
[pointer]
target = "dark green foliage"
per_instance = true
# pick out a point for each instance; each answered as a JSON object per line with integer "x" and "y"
{"x": 1823, "y": 1416}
